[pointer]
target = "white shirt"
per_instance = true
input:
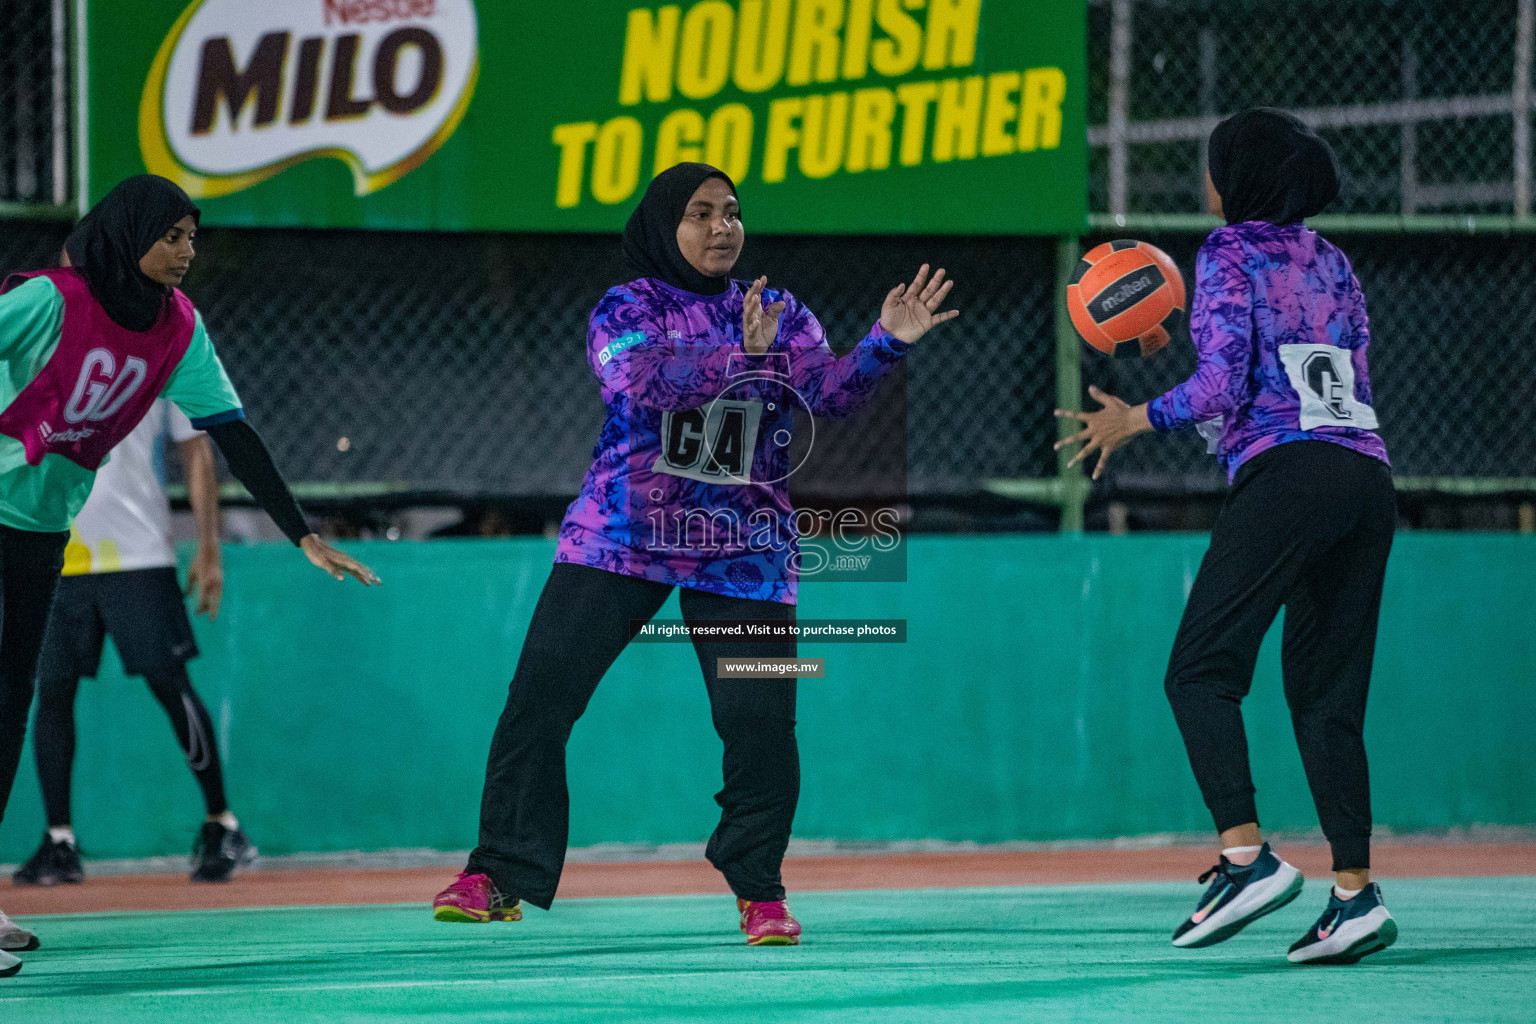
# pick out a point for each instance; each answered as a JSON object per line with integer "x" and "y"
{"x": 126, "y": 522}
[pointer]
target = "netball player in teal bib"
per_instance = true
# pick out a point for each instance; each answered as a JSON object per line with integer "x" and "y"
{"x": 84, "y": 352}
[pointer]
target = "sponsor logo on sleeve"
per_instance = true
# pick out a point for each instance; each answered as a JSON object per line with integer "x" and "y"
{"x": 240, "y": 91}
{"x": 618, "y": 345}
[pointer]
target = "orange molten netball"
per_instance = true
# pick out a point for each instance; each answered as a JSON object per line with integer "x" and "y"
{"x": 1126, "y": 298}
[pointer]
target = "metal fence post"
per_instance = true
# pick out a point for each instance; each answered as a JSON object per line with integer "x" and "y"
{"x": 1520, "y": 100}
{"x": 1409, "y": 132}
{"x": 60, "y": 105}
{"x": 1119, "y": 101}
{"x": 1207, "y": 106}
{"x": 1069, "y": 389}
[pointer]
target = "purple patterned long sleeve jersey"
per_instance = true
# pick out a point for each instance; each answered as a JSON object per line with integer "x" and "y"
{"x": 689, "y": 477}
{"x": 1279, "y": 323}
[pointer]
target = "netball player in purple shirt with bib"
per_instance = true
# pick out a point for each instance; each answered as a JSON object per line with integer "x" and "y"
{"x": 701, "y": 375}
{"x": 84, "y": 352}
{"x": 1279, "y": 321}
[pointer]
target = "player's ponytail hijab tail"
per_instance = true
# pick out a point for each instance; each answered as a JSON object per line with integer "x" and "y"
{"x": 107, "y": 244}
{"x": 650, "y": 237}
{"x": 1267, "y": 165}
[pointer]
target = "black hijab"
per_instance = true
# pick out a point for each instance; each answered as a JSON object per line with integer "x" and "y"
{"x": 1267, "y": 165}
{"x": 109, "y": 241}
{"x": 650, "y": 237}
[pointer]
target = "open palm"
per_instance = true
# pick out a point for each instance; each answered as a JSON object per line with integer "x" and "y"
{"x": 909, "y": 310}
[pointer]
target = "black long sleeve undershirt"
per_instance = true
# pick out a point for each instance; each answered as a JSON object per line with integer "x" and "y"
{"x": 252, "y": 465}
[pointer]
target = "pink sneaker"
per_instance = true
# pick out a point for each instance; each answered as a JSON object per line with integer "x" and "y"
{"x": 474, "y": 899}
{"x": 768, "y": 923}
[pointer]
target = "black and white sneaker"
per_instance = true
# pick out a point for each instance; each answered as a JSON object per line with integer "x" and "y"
{"x": 9, "y": 965}
{"x": 219, "y": 852}
{"x": 1348, "y": 930}
{"x": 1238, "y": 896}
{"x": 56, "y": 862}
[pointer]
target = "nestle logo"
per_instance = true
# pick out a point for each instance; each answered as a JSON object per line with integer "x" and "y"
{"x": 1127, "y": 291}
{"x": 361, "y": 12}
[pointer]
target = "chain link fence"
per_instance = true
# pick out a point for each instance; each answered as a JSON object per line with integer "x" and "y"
{"x": 35, "y": 97}
{"x": 454, "y": 365}
{"x": 1427, "y": 103}
{"x": 1453, "y": 363}
{"x": 457, "y": 363}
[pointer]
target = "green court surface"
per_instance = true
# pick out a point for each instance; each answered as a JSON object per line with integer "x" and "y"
{"x": 1068, "y": 953}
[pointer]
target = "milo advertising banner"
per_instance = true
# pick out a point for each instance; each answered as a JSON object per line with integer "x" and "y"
{"x": 834, "y": 116}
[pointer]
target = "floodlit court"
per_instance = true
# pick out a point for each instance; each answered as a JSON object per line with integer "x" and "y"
{"x": 767, "y": 511}
{"x": 1079, "y": 953}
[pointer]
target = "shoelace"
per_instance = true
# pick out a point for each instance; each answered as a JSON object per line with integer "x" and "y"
{"x": 495, "y": 899}
{"x": 776, "y": 910}
{"x": 1216, "y": 869}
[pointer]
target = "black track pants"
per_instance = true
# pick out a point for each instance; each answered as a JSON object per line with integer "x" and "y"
{"x": 29, "y": 574}
{"x": 580, "y": 626}
{"x": 1308, "y": 526}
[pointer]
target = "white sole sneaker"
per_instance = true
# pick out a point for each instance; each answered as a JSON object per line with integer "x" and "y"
{"x": 14, "y": 938}
{"x": 1352, "y": 940}
{"x": 9, "y": 965}
{"x": 1265, "y": 896}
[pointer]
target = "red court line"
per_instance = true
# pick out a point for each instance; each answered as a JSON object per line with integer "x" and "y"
{"x": 329, "y": 886}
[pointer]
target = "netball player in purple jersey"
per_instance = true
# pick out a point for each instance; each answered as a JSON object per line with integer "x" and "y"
{"x": 701, "y": 375}
{"x": 1279, "y": 321}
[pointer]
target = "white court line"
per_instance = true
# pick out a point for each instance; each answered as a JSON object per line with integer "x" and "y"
{"x": 256, "y": 989}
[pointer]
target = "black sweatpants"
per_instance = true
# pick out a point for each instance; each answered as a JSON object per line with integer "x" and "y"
{"x": 580, "y": 626}
{"x": 29, "y": 573}
{"x": 1307, "y": 525}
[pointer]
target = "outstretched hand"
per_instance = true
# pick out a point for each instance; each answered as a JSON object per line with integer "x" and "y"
{"x": 909, "y": 310}
{"x": 334, "y": 562}
{"x": 205, "y": 581}
{"x": 1105, "y": 429}
{"x": 759, "y": 326}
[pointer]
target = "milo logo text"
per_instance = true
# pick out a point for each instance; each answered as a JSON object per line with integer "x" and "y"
{"x": 241, "y": 91}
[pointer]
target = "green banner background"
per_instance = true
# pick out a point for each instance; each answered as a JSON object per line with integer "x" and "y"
{"x": 548, "y": 64}
{"x": 1027, "y": 704}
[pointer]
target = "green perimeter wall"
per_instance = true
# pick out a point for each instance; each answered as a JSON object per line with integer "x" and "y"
{"x": 1027, "y": 704}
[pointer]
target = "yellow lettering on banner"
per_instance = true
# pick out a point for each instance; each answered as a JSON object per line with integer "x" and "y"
{"x": 824, "y": 132}
{"x": 898, "y": 54}
{"x": 783, "y": 135}
{"x": 952, "y": 29}
{"x": 915, "y": 98}
{"x": 616, "y": 161}
{"x": 762, "y": 40}
{"x": 649, "y": 47}
{"x": 869, "y": 131}
{"x": 572, "y": 140}
{"x": 957, "y": 122}
{"x": 857, "y": 30}
{"x": 704, "y": 55}
{"x": 996, "y": 138}
{"x": 814, "y": 51}
{"x": 679, "y": 138}
{"x": 730, "y": 140}
{"x": 1040, "y": 121}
